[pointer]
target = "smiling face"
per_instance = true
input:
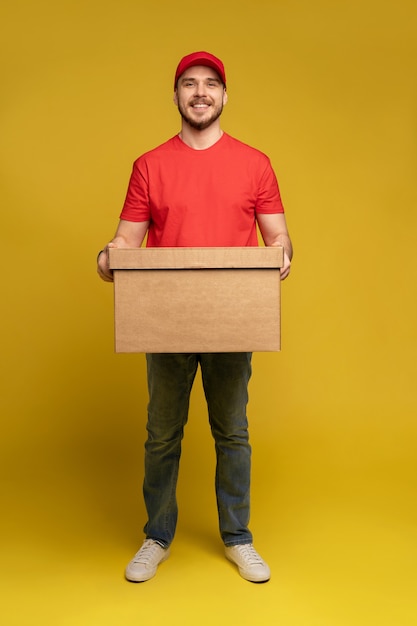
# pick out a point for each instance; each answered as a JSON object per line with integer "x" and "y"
{"x": 200, "y": 96}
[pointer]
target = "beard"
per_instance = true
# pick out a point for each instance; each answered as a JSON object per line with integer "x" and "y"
{"x": 202, "y": 124}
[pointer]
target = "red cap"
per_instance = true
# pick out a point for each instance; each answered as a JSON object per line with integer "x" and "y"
{"x": 200, "y": 58}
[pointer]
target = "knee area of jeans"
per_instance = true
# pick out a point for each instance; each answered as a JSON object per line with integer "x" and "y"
{"x": 160, "y": 429}
{"x": 239, "y": 434}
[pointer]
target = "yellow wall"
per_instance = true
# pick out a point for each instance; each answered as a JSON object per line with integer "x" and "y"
{"x": 328, "y": 90}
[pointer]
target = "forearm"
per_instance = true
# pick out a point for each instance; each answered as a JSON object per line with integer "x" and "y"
{"x": 283, "y": 240}
{"x": 128, "y": 235}
{"x": 274, "y": 232}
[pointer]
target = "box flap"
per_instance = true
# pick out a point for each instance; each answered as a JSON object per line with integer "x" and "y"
{"x": 195, "y": 258}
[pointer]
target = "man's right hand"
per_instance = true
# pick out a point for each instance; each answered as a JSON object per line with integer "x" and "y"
{"x": 103, "y": 268}
{"x": 128, "y": 235}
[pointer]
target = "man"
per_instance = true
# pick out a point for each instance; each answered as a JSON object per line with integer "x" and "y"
{"x": 201, "y": 188}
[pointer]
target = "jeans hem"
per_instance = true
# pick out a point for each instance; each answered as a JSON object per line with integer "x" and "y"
{"x": 161, "y": 543}
{"x": 239, "y": 543}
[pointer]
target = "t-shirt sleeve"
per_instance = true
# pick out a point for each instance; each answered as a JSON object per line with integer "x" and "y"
{"x": 269, "y": 197}
{"x": 136, "y": 205}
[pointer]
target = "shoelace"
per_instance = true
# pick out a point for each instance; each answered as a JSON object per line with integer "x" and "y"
{"x": 146, "y": 552}
{"x": 249, "y": 553}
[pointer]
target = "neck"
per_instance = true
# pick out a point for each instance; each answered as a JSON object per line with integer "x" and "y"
{"x": 200, "y": 139}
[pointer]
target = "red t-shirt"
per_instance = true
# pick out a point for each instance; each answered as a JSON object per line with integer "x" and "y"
{"x": 201, "y": 198}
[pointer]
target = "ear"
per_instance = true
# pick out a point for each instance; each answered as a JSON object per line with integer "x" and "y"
{"x": 175, "y": 98}
{"x": 225, "y": 97}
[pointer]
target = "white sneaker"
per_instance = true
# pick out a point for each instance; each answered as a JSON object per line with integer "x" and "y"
{"x": 145, "y": 562}
{"x": 251, "y": 566}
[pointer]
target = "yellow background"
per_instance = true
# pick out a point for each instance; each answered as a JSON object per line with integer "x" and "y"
{"x": 328, "y": 90}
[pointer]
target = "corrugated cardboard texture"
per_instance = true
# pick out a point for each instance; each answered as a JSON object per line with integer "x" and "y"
{"x": 197, "y": 299}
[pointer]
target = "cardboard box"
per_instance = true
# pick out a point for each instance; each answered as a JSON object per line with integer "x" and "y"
{"x": 197, "y": 299}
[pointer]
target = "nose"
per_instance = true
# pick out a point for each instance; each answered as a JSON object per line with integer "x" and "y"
{"x": 201, "y": 88}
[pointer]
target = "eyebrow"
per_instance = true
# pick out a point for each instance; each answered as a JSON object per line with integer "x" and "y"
{"x": 211, "y": 79}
